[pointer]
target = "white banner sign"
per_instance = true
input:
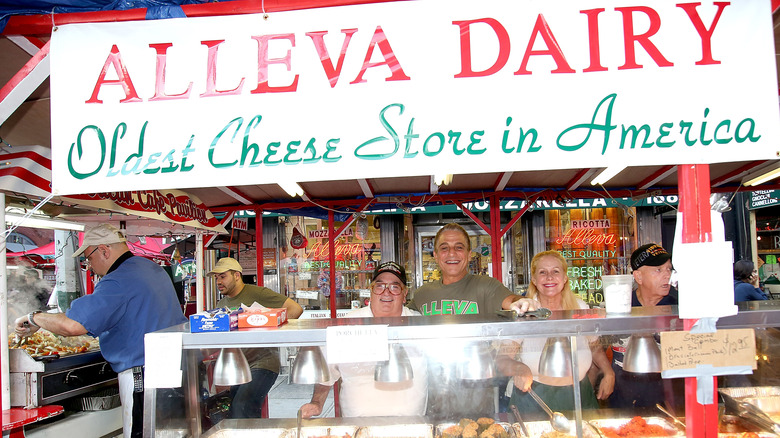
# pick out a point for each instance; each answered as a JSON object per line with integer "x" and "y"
{"x": 410, "y": 88}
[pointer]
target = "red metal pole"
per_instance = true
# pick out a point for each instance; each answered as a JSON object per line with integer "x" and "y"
{"x": 694, "y": 187}
{"x": 495, "y": 236}
{"x": 259, "y": 246}
{"x": 332, "y": 262}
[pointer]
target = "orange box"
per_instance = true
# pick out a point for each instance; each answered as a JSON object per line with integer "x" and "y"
{"x": 262, "y": 318}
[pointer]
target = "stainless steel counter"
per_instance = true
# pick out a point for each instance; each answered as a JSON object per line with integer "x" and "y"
{"x": 474, "y": 327}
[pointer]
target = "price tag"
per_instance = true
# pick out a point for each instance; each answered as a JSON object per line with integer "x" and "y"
{"x": 723, "y": 348}
{"x": 307, "y": 294}
{"x": 364, "y": 293}
{"x": 356, "y": 343}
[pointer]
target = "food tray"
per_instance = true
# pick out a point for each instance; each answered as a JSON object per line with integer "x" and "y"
{"x": 396, "y": 431}
{"x": 442, "y": 426}
{"x": 324, "y": 432}
{"x": 538, "y": 428}
{"x": 658, "y": 421}
{"x": 101, "y": 401}
{"x": 248, "y": 433}
{"x": 766, "y": 398}
{"x": 751, "y": 391}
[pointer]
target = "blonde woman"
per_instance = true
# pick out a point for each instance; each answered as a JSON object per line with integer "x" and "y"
{"x": 520, "y": 359}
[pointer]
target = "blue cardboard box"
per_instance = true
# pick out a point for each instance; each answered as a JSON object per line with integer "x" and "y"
{"x": 215, "y": 320}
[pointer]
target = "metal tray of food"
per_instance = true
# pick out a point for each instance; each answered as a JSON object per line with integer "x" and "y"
{"x": 324, "y": 432}
{"x": 228, "y": 432}
{"x": 461, "y": 429}
{"x": 395, "y": 431}
{"x": 664, "y": 427}
{"x": 543, "y": 429}
{"x": 766, "y": 398}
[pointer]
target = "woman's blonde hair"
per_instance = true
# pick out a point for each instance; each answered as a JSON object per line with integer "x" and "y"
{"x": 568, "y": 299}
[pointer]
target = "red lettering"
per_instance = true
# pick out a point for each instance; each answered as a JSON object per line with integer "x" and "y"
{"x": 593, "y": 40}
{"x": 211, "y": 72}
{"x": 704, "y": 33}
{"x": 629, "y": 38}
{"x": 553, "y": 49}
{"x": 466, "y": 69}
{"x": 320, "y": 251}
{"x": 380, "y": 40}
{"x": 319, "y": 45}
{"x": 114, "y": 59}
{"x": 159, "y": 81}
{"x": 263, "y": 61}
{"x": 585, "y": 236}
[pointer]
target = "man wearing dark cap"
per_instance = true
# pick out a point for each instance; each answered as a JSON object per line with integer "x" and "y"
{"x": 247, "y": 399}
{"x": 360, "y": 395}
{"x": 134, "y": 296}
{"x": 652, "y": 270}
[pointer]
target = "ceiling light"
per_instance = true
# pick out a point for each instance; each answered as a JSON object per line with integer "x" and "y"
{"x": 762, "y": 175}
{"x": 45, "y": 222}
{"x": 607, "y": 174}
{"x": 292, "y": 188}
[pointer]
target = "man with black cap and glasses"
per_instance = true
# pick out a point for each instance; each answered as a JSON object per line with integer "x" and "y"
{"x": 360, "y": 395}
{"x": 652, "y": 269}
{"x": 134, "y": 296}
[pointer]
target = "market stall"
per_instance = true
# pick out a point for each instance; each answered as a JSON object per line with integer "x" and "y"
{"x": 378, "y": 137}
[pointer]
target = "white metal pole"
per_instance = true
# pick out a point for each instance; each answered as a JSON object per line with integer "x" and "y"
{"x": 199, "y": 276}
{"x": 4, "y": 312}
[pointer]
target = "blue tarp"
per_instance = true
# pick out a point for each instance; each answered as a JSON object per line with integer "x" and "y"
{"x": 156, "y": 9}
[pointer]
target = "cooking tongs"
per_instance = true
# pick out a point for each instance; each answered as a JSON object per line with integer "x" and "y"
{"x": 541, "y": 313}
{"x": 751, "y": 413}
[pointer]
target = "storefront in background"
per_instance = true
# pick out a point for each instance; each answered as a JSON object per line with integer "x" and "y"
{"x": 765, "y": 211}
{"x": 595, "y": 236}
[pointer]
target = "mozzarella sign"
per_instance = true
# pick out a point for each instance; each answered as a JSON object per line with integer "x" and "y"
{"x": 410, "y": 88}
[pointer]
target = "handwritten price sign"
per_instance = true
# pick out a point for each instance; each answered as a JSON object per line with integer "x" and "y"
{"x": 723, "y": 348}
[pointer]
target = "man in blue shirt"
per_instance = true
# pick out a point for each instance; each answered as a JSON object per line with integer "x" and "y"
{"x": 135, "y": 296}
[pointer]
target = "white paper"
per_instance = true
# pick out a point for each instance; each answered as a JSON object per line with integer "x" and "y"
{"x": 356, "y": 343}
{"x": 163, "y": 360}
{"x": 705, "y": 283}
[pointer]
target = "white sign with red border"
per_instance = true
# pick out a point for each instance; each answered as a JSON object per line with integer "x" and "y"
{"x": 411, "y": 88}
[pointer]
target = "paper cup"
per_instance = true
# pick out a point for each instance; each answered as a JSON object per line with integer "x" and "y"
{"x": 617, "y": 292}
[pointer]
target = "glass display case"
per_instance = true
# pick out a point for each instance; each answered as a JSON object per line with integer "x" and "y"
{"x": 181, "y": 411}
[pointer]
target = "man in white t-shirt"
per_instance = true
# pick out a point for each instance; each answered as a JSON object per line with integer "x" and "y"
{"x": 360, "y": 395}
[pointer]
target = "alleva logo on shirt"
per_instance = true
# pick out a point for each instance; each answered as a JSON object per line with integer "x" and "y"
{"x": 450, "y": 307}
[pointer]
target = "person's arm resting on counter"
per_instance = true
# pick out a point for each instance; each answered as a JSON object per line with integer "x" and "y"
{"x": 318, "y": 397}
{"x": 294, "y": 310}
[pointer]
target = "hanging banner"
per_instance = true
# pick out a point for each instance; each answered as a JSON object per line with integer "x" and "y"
{"x": 411, "y": 88}
{"x": 172, "y": 206}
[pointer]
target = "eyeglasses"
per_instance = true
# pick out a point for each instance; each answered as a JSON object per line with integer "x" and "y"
{"x": 90, "y": 254}
{"x": 394, "y": 288}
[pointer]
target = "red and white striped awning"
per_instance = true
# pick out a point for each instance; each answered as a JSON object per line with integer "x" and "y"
{"x": 25, "y": 170}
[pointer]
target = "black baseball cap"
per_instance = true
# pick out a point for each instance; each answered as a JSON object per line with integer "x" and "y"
{"x": 393, "y": 268}
{"x": 649, "y": 255}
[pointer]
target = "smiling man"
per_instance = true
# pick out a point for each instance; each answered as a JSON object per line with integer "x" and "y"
{"x": 360, "y": 395}
{"x": 459, "y": 292}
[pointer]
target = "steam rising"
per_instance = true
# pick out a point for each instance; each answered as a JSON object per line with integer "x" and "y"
{"x": 27, "y": 292}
